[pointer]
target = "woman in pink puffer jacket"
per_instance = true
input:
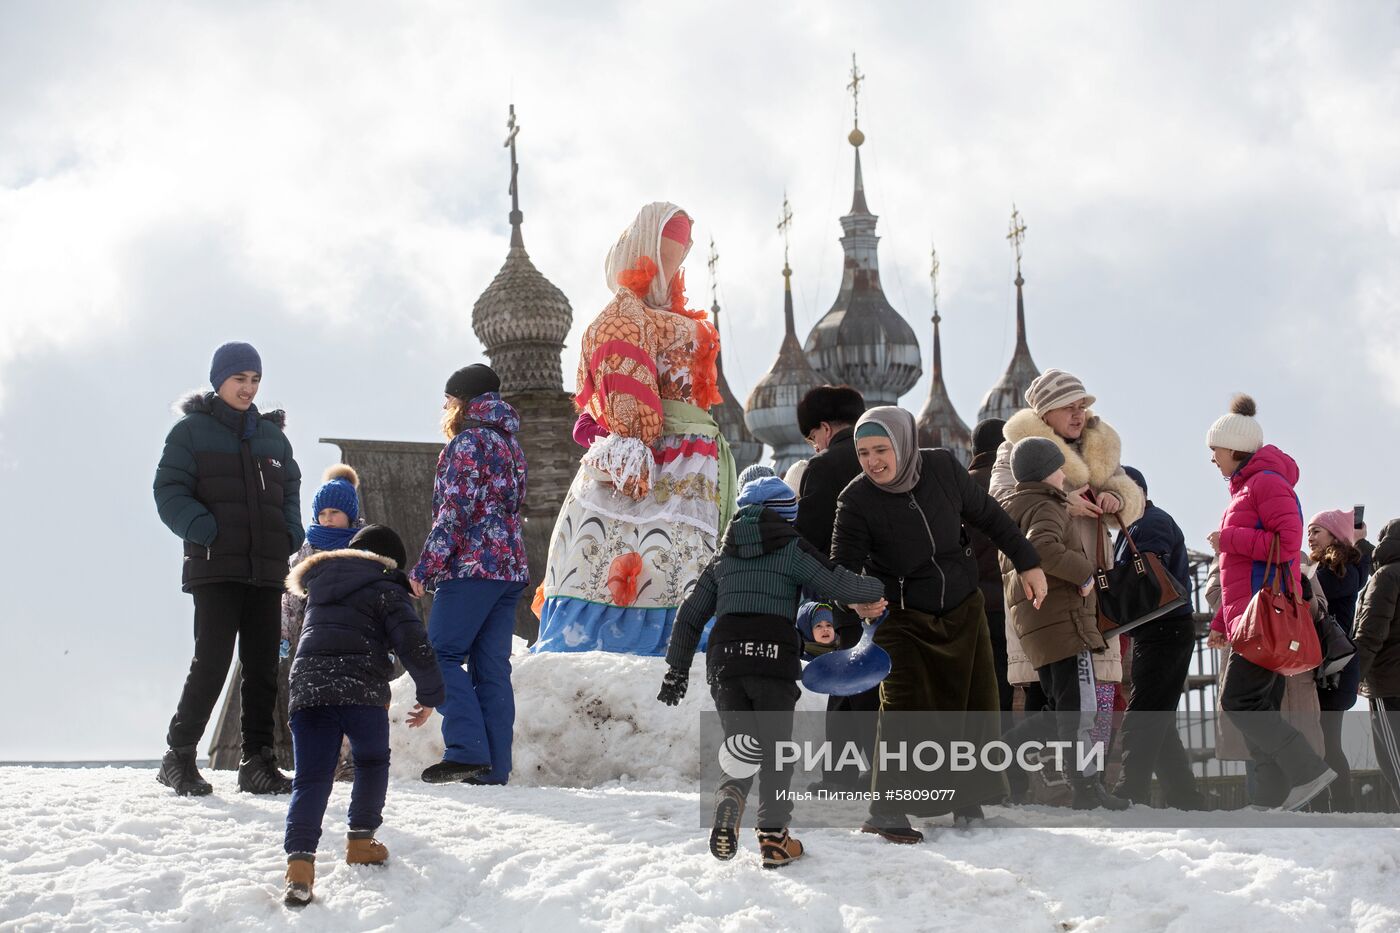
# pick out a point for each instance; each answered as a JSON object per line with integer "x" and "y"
{"x": 1263, "y": 506}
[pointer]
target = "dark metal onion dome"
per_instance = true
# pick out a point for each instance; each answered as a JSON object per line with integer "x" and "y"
{"x": 771, "y": 412}
{"x": 939, "y": 424}
{"x": 729, "y": 414}
{"x": 862, "y": 341}
{"x": 1008, "y": 396}
{"x": 522, "y": 318}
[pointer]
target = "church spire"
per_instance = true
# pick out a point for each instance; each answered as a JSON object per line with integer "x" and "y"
{"x": 1017, "y": 235}
{"x": 1008, "y": 396}
{"x": 729, "y": 414}
{"x": 522, "y": 318}
{"x": 939, "y": 424}
{"x": 856, "y": 137}
{"x": 516, "y": 218}
{"x": 862, "y": 341}
{"x": 771, "y": 413}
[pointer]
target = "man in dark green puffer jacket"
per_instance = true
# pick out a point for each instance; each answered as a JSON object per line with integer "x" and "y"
{"x": 753, "y": 587}
{"x": 228, "y": 487}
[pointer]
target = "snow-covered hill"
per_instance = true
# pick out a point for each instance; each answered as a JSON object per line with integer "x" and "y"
{"x": 599, "y": 830}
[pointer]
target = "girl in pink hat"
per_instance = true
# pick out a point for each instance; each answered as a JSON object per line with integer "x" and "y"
{"x": 1340, "y": 574}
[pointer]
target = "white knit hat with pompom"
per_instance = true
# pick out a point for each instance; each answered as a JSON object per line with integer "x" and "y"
{"x": 1238, "y": 430}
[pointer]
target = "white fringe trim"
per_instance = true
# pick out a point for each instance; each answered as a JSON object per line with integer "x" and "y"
{"x": 621, "y": 460}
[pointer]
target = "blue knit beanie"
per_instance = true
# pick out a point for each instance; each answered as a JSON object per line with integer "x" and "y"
{"x": 809, "y": 614}
{"x": 771, "y": 493}
{"x": 752, "y": 472}
{"x": 338, "y": 492}
{"x": 233, "y": 358}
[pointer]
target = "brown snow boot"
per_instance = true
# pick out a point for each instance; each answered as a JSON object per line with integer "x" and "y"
{"x": 361, "y": 848}
{"x": 301, "y": 872}
{"x": 778, "y": 848}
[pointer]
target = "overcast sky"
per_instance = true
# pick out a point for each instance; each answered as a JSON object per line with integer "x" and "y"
{"x": 1212, "y": 193}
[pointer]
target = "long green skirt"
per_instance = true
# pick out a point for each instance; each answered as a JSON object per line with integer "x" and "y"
{"x": 940, "y": 665}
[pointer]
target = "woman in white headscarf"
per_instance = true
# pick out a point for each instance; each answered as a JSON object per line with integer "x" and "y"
{"x": 656, "y": 485}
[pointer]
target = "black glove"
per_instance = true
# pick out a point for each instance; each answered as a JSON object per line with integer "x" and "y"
{"x": 673, "y": 686}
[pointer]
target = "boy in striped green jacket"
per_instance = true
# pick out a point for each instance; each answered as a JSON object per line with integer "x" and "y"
{"x": 753, "y": 588}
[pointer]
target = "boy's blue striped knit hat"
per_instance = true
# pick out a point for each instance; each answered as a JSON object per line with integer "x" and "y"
{"x": 753, "y": 471}
{"x": 771, "y": 493}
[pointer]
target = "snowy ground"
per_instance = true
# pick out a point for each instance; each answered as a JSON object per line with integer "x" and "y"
{"x": 109, "y": 848}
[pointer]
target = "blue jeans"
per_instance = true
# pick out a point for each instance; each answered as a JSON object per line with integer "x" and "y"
{"x": 472, "y": 621}
{"x": 316, "y": 735}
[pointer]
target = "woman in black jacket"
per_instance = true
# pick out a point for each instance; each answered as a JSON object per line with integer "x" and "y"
{"x": 902, "y": 521}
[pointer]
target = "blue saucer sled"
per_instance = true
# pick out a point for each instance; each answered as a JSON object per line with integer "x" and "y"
{"x": 855, "y": 670}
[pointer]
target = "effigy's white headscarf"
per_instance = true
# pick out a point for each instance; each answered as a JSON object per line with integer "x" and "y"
{"x": 643, "y": 239}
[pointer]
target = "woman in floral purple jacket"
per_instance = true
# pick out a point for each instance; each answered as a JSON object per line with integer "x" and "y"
{"x": 474, "y": 561}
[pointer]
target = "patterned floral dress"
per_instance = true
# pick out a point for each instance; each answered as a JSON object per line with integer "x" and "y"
{"x": 641, "y": 520}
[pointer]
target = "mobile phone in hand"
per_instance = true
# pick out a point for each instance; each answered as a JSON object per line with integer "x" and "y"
{"x": 1358, "y": 515}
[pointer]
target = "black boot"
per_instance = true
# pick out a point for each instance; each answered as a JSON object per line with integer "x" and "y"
{"x": 1090, "y": 794}
{"x": 452, "y": 772}
{"x": 178, "y": 772}
{"x": 258, "y": 774}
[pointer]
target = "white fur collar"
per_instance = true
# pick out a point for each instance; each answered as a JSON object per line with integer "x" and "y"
{"x": 1092, "y": 461}
{"x": 294, "y": 584}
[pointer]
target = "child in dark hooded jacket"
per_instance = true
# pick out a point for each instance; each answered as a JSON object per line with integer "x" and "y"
{"x": 816, "y": 623}
{"x": 357, "y": 611}
{"x": 753, "y": 587}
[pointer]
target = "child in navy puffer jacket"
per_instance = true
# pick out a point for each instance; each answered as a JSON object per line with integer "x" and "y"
{"x": 357, "y": 611}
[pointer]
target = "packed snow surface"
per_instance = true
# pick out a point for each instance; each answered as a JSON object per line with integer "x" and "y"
{"x": 600, "y": 830}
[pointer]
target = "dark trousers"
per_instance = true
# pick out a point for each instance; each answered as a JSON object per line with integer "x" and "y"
{"x": 856, "y": 720}
{"x": 1151, "y": 742}
{"x": 316, "y": 735}
{"x": 1335, "y": 702}
{"x": 996, "y": 628}
{"x": 761, "y": 707}
{"x": 1385, "y": 733}
{"x": 1251, "y": 699}
{"x": 472, "y": 622}
{"x": 1070, "y": 712}
{"x": 223, "y": 613}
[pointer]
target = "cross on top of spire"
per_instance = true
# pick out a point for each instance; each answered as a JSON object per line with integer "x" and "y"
{"x": 1017, "y": 236}
{"x": 933, "y": 278}
{"x": 516, "y": 217}
{"x": 854, "y": 88}
{"x": 712, "y": 262}
{"x": 856, "y": 137}
{"x": 784, "y": 226}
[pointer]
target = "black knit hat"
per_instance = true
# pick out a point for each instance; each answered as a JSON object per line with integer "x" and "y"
{"x": 381, "y": 540}
{"x": 840, "y": 404}
{"x": 470, "y": 381}
{"x": 988, "y": 436}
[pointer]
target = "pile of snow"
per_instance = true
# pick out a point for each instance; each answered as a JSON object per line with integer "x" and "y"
{"x": 584, "y": 720}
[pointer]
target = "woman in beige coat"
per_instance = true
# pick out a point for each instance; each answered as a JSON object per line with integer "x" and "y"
{"x": 1097, "y": 486}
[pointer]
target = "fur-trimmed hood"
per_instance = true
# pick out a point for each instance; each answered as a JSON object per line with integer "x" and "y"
{"x": 335, "y": 574}
{"x": 1094, "y": 461}
{"x": 201, "y": 401}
